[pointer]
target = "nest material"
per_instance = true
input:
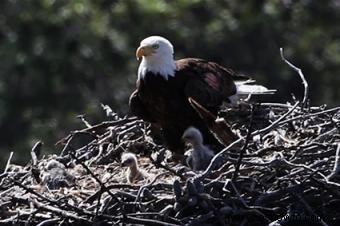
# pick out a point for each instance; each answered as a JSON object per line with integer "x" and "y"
{"x": 287, "y": 172}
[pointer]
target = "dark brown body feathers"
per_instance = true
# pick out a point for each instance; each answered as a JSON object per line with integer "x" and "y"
{"x": 165, "y": 102}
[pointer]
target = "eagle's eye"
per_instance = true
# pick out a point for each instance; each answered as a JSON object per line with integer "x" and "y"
{"x": 155, "y": 46}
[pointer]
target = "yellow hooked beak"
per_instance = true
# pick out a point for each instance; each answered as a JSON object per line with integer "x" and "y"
{"x": 143, "y": 51}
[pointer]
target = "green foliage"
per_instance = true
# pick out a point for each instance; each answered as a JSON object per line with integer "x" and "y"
{"x": 61, "y": 58}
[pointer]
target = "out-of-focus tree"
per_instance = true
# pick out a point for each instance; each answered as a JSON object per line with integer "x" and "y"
{"x": 62, "y": 58}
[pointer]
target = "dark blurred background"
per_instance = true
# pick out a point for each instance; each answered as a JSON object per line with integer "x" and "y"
{"x": 61, "y": 58}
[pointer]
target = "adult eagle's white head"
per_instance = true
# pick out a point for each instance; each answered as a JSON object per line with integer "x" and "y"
{"x": 157, "y": 57}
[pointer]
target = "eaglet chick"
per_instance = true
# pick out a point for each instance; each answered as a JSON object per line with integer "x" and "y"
{"x": 133, "y": 172}
{"x": 199, "y": 154}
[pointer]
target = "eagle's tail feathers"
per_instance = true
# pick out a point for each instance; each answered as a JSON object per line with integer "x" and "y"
{"x": 243, "y": 88}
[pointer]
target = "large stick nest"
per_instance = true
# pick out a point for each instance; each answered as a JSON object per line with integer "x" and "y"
{"x": 288, "y": 172}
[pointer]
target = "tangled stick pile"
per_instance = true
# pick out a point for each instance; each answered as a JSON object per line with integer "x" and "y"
{"x": 288, "y": 169}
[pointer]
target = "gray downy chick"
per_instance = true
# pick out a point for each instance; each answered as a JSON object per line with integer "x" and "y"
{"x": 199, "y": 155}
{"x": 57, "y": 176}
{"x": 133, "y": 172}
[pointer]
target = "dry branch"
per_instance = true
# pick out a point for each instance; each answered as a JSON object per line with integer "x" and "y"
{"x": 299, "y": 71}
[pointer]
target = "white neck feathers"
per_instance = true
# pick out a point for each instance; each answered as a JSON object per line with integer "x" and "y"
{"x": 164, "y": 66}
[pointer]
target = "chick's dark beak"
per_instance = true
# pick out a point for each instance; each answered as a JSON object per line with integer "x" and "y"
{"x": 123, "y": 164}
{"x": 186, "y": 140}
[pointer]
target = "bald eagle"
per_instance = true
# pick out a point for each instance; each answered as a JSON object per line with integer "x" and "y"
{"x": 164, "y": 86}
